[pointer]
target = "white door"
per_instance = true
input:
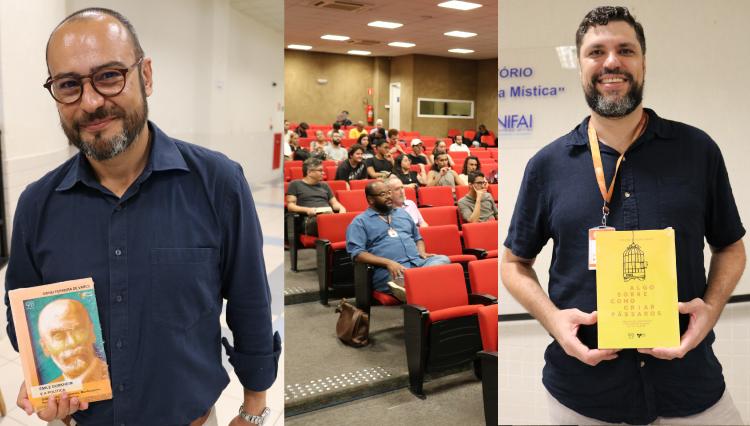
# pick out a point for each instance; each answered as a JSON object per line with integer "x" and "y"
{"x": 394, "y": 114}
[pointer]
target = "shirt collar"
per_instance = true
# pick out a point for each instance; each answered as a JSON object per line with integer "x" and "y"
{"x": 656, "y": 126}
{"x": 164, "y": 155}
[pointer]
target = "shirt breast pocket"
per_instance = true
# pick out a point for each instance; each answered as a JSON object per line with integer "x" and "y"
{"x": 185, "y": 285}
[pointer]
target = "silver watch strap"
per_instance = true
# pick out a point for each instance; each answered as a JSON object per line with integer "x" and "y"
{"x": 256, "y": 420}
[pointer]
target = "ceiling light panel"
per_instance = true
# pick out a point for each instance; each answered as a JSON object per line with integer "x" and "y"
{"x": 464, "y": 51}
{"x": 460, "y": 5}
{"x": 359, "y": 52}
{"x": 401, "y": 44}
{"x": 334, "y": 37}
{"x": 461, "y": 34}
{"x": 385, "y": 24}
{"x": 299, "y": 47}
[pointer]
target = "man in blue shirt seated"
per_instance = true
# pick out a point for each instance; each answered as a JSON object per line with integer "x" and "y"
{"x": 389, "y": 239}
{"x": 166, "y": 229}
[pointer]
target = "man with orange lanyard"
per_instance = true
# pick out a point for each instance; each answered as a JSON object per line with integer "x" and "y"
{"x": 626, "y": 168}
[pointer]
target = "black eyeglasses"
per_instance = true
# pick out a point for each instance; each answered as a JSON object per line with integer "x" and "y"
{"x": 107, "y": 82}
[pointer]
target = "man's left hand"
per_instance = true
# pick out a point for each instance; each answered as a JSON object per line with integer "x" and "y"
{"x": 426, "y": 255}
{"x": 702, "y": 319}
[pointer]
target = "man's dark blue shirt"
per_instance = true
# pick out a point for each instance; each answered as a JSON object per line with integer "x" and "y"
{"x": 182, "y": 238}
{"x": 672, "y": 176}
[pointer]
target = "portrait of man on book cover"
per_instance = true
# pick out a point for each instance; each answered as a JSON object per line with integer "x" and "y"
{"x": 67, "y": 346}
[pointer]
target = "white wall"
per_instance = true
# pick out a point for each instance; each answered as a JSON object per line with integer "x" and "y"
{"x": 696, "y": 66}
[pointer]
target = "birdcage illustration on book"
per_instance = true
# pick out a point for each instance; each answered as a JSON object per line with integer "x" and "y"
{"x": 634, "y": 262}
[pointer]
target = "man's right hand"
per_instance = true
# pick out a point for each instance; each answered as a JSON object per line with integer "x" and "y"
{"x": 395, "y": 268}
{"x": 55, "y": 410}
{"x": 564, "y": 326}
{"x": 310, "y": 211}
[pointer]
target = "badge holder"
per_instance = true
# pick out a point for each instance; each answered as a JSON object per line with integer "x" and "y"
{"x": 592, "y": 237}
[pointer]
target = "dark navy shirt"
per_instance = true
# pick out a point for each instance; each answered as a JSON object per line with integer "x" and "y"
{"x": 184, "y": 236}
{"x": 673, "y": 175}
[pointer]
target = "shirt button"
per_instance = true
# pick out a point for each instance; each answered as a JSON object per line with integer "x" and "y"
{"x": 121, "y": 388}
{"x": 119, "y": 344}
{"x": 118, "y": 252}
{"x": 118, "y": 299}
{"x": 627, "y": 195}
{"x": 118, "y": 208}
{"x": 643, "y": 363}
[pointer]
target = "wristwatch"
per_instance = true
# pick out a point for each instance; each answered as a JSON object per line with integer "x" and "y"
{"x": 255, "y": 420}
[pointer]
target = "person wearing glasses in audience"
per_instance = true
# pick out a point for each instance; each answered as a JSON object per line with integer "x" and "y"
{"x": 166, "y": 229}
{"x": 387, "y": 238}
{"x": 311, "y": 196}
{"x": 477, "y": 205}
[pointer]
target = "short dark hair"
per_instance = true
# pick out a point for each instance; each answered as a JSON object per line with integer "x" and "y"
{"x": 466, "y": 163}
{"x": 392, "y": 132}
{"x": 378, "y": 141}
{"x": 336, "y": 125}
{"x": 605, "y": 14}
{"x": 474, "y": 175}
{"x": 91, "y": 11}
{"x": 310, "y": 163}
{"x": 435, "y": 166}
{"x": 354, "y": 148}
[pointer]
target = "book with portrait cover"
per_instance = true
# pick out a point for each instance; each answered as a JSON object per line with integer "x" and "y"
{"x": 60, "y": 341}
{"x": 636, "y": 289}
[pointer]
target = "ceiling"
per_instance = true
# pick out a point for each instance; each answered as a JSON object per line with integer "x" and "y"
{"x": 424, "y": 24}
{"x": 269, "y": 12}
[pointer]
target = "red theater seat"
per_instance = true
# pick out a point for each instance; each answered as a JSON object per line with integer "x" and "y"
{"x": 483, "y": 276}
{"x": 432, "y": 196}
{"x": 436, "y": 216}
{"x": 359, "y": 183}
{"x": 335, "y": 269}
{"x": 481, "y": 238}
{"x": 354, "y": 200}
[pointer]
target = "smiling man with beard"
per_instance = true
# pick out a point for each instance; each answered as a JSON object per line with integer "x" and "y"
{"x": 650, "y": 173}
{"x": 167, "y": 230}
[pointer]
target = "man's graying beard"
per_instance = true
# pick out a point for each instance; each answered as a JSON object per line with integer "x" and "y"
{"x": 612, "y": 106}
{"x": 99, "y": 149}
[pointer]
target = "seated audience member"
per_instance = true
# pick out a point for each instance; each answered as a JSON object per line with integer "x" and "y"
{"x": 334, "y": 150}
{"x": 482, "y": 131}
{"x": 477, "y": 205}
{"x": 354, "y": 167}
{"x": 440, "y": 148}
{"x": 380, "y": 166}
{"x": 301, "y": 130}
{"x": 378, "y": 127}
{"x": 336, "y": 130}
{"x": 357, "y": 131}
{"x": 400, "y": 201}
{"x": 442, "y": 174}
{"x": 289, "y": 146}
{"x": 458, "y": 144}
{"x": 388, "y": 239}
{"x": 298, "y": 153}
{"x": 418, "y": 155}
{"x": 364, "y": 140}
{"x": 320, "y": 140}
{"x": 311, "y": 196}
{"x": 343, "y": 118}
{"x": 471, "y": 164}
{"x": 402, "y": 170}
{"x": 394, "y": 145}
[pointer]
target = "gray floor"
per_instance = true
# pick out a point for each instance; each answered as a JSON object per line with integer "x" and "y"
{"x": 307, "y": 277}
{"x": 451, "y": 400}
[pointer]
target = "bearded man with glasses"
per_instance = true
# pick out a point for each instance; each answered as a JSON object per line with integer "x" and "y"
{"x": 166, "y": 229}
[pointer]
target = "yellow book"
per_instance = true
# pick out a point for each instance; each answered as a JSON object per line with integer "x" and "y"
{"x": 636, "y": 289}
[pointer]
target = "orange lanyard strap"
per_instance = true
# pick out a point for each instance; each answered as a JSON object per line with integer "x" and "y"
{"x": 596, "y": 157}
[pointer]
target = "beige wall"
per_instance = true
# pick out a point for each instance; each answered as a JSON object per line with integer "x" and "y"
{"x": 431, "y": 75}
{"x": 348, "y": 77}
{"x": 486, "y": 97}
{"x": 424, "y": 76}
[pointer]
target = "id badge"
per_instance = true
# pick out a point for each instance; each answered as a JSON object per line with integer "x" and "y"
{"x": 392, "y": 233}
{"x": 592, "y": 244}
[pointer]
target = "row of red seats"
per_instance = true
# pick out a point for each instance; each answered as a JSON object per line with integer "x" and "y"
{"x": 427, "y": 196}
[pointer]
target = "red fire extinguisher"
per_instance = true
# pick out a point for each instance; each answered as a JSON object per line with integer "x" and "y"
{"x": 370, "y": 114}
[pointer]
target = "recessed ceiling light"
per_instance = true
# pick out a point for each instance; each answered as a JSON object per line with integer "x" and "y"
{"x": 462, "y": 34}
{"x": 401, "y": 44}
{"x": 359, "y": 52}
{"x": 385, "y": 24}
{"x": 334, "y": 37}
{"x": 299, "y": 47}
{"x": 460, "y": 5}
{"x": 460, "y": 50}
